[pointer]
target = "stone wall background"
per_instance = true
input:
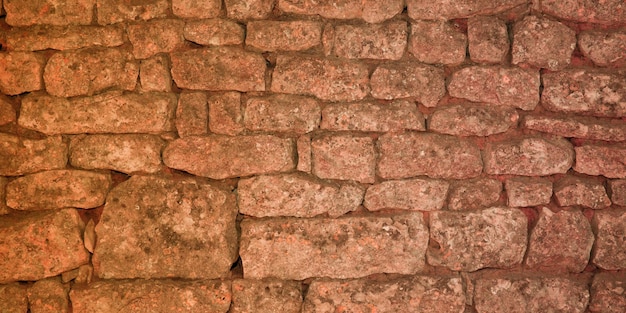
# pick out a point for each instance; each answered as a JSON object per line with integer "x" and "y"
{"x": 312, "y": 156}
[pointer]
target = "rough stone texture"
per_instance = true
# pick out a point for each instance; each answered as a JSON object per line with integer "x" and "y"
{"x": 531, "y": 295}
{"x": 608, "y": 293}
{"x": 529, "y": 156}
{"x": 438, "y": 156}
{"x": 372, "y": 117}
{"x": 372, "y": 11}
{"x": 606, "y": 12}
{"x": 157, "y": 227}
{"x": 90, "y": 70}
{"x": 282, "y": 113}
{"x": 586, "y": 92}
{"x": 528, "y": 191}
{"x": 58, "y": 189}
{"x": 152, "y": 37}
{"x": 219, "y": 68}
{"x": 344, "y": 157}
{"x": 488, "y": 39}
{"x": 214, "y": 32}
{"x": 450, "y": 47}
{"x": 606, "y": 160}
{"x": 154, "y": 74}
{"x": 371, "y": 41}
{"x": 126, "y": 153}
{"x": 249, "y": 9}
{"x": 283, "y": 35}
{"x": 585, "y": 192}
{"x": 585, "y": 127}
{"x": 603, "y": 48}
{"x": 292, "y": 248}
{"x": 54, "y": 12}
{"x": 13, "y": 298}
{"x": 570, "y": 231}
{"x": 196, "y": 9}
{"x": 474, "y": 194}
{"x": 40, "y": 37}
{"x": 445, "y": 9}
{"x": 296, "y": 195}
{"x": 610, "y": 247}
{"x": 411, "y": 194}
{"x": 7, "y": 112}
{"x": 159, "y": 296}
{"x": 49, "y": 295}
{"x": 542, "y": 42}
{"x": 410, "y": 294}
{"x": 514, "y": 87}
{"x": 220, "y": 157}
{"x": 472, "y": 120}
{"x": 331, "y": 80}
{"x": 20, "y": 72}
{"x": 36, "y": 245}
{"x": 4, "y": 209}
{"x": 192, "y": 114}
{"x": 266, "y": 296}
{"x": 617, "y": 190}
{"x": 304, "y": 153}
{"x": 110, "y": 112}
{"x": 19, "y": 156}
{"x": 409, "y": 79}
{"x": 114, "y": 11}
{"x": 225, "y": 113}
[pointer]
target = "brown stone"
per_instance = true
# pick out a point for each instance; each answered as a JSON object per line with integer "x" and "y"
{"x": 84, "y": 275}
{"x": 375, "y": 11}
{"x": 110, "y": 112}
{"x": 528, "y": 191}
{"x": 437, "y": 42}
{"x": 513, "y": 87}
{"x": 219, "y": 68}
{"x": 249, "y": 9}
{"x": 114, "y": 11}
{"x": 196, "y": 9}
{"x": 154, "y": 74}
{"x": 474, "y": 194}
{"x": 437, "y": 156}
{"x": 445, "y": 9}
{"x": 296, "y": 195}
{"x": 282, "y": 113}
{"x": 7, "y": 112}
{"x": 472, "y": 120}
{"x": 488, "y": 39}
{"x": 409, "y": 294}
{"x": 13, "y": 298}
{"x": 411, "y": 194}
{"x": 608, "y": 293}
{"x": 19, "y": 156}
{"x": 54, "y": 12}
{"x": 157, "y": 296}
{"x": 283, "y": 35}
{"x": 49, "y": 295}
{"x": 605, "y": 12}
{"x": 371, "y": 41}
{"x": 42, "y": 37}
{"x": 469, "y": 241}
{"x": 344, "y": 157}
{"x": 225, "y": 113}
{"x": 331, "y": 80}
{"x": 192, "y": 114}
{"x": 214, "y": 32}
{"x": 607, "y": 160}
{"x": 155, "y": 227}
{"x": 350, "y": 247}
{"x": 543, "y": 43}
{"x": 585, "y": 127}
{"x": 152, "y": 37}
{"x": 4, "y": 209}
{"x": 372, "y": 117}
{"x": 126, "y": 153}
{"x": 409, "y": 79}
{"x": 610, "y": 246}
{"x": 304, "y": 153}
{"x": 58, "y": 189}
{"x": 89, "y": 71}
{"x": 220, "y": 157}
{"x": 20, "y": 72}
{"x": 266, "y": 296}
{"x": 580, "y": 191}
{"x": 36, "y": 245}
{"x": 529, "y": 156}
{"x": 371, "y": 11}
{"x": 603, "y": 48}
{"x": 617, "y": 190}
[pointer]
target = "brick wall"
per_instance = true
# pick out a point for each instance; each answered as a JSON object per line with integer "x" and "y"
{"x": 313, "y": 156}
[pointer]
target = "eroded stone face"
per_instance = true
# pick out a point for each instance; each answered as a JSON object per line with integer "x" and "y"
{"x": 19, "y": 156}
{"x": 344, "y": 157}
{"x": 266, "y": 296}
{"x": 372, "y": 117}
{"x": 585, "y": 127}
{"x": 608, "y": 293}
{"x": 488, "y": 39}
{"x": 531, "y": 156}
{"x": 13, "y": 298}
{"x": 154, "y": 74}
{"x": 152, "y": 37}
{"x": 196, "y": 9}
{"x": 423, "y": 82}
{"x": 371, "y": 41}
{"x": 543, "y": 43}
{"x": 474, "y": 194}
{"x": 604, "y": 160}
{"x": 473, "y": 120}
{"x": 249, "y": 9}
{"x": 192, "y": 114}
{"x": 20, "y": 72}
{"x": 42, "y": 37}
{"x": 589, "y": 193}
{"x": 411, "y": 194}
{"x": 115, "y": 11}
{"x": 444, "y": 9}
{"x": 4, "y": 209}
{"x": 617, "y": 190}
{"x": 282, "y": 113}
{"x": 49, "y": 295}
{"x": 214, "y": 32}
{"x": 7, "y": 112}
{"x": 611, "y": 11}
{"x": 610, "y": 246}
{"x": 528, "y": 191}
{"x": 283, "y": 35}
{"x": 65, "y": 12}
{"x": 370, "y": 10}
{"x": 603, "y": 48}
{"x": 451, "y": 44}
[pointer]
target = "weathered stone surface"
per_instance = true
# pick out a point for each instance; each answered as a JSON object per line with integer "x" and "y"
{"x": 296, "y": 195}
{"x": 36, "y": 245}
{"x": 126, "y": 153}
{"x": 49, "y": 295}
{"x": 603, "y": 48}
{"x": 292, "y": 248}
{"x": 528, "y": 191}
{"x": 418, "y": 294}
{"x": 20, "y": 72}
{"x": 331, "y": 80}
{"x": 282, "y": 113}
{"x": 19, "y": 156}
{"x": 411, "y": 194}
{"x": 90, "y": 70}
{"x": 154, "y": 74}
{"x": 157, "y": 227}
{"x": 607, "y": 160}
{"x": 371, "y": 41}
{"x": 58, "y": 189}
{"x": 344, "y": 157}
{"x": 13, "y": 298}
{"x": 582, "y": 91}
{"x": 266, "y": 296}
{"x": 303, "y": 145}
{"x": 152, "y": 37}
{"x": 437, "y": 42}
{"x": 529, "y": 156}
{"x": 585, "y": 127}
{"x": 585, "y": 192}
{"x": 283, "y": 35}
{"x": 610, "y": 11}
{"x": 438, "y": 156}
{"x": 115, "y": 11}
{"x": 409, "y": 79}
{"x": 157, "y": 296}
{"x": 40, "y": 37}
{"x": 7, "y": 112}
{"x": 225, "y": 113}
{"x": 220, "y": 157}
{"x": 196, "y": 9}
{"x": 531, "y": 295}
{"x": 514, "y": 87}
{"x": 192, "y": 114}
{"x": 371, "y": 11}
{"x": 610, "y": 247}
{"x": 488, "y": 39}
{"x": 608, "y": 293}
{"x": 214, "y": 32}
{"x": 219, "y": 68}
{"x": 54, "y": 12}
{"x": 111, "y": 112}
{"x": 543, "y": 43}
{"x": 372, "y": 117}
{"x": 444, "y": 9}
{"x": 249, "y": 9}
{"x": 474, "y": 194}
{"x": 617, "y": 190}
{"x": 472, "y": 120}
{"x": 4, "y": 209}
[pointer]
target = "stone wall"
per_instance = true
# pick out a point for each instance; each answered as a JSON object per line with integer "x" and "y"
{"x": 313, "y": 156}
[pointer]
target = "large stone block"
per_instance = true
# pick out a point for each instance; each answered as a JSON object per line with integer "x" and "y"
{"x": 20, "y": 72}
{"x": 372, "y": 117}
{"x": 196, "y": 9}
{"x": 606, "y": 12}
{"x": 344, "y": 157}
{"x": 529, "y": 156}
{"x": 581, "y": 191}
{"x": 42, "y": 37}
{"x": 19, "y": 156}
{"x": 473, "y": 120}
{"x": 528, "y": 191}
{"x": 371, "y": 11}
{"x": 610, "y": 246}
{"x": 617, "y": 190}
{"x": 543, "y": 43}
{"x": 283, "y": 35}
{"x": 411, "y": 194}
{"x": 423, "y": 82}
{"x": 156, "y": 36}
{"x": 437, "y": 42}
{"x": 214, "y": 32}
{"x": 49, "y": 295}
{"x": 54, "y": 12}
{"x": 444, "y": 9}
{"x": 474, "y": 194}
{"x": 607, "y": 160}
{"x": 266, "y": 296}
{"x": 608, "y": 293}
{"x": 249, "y": 9}
{"x": 192, "y": 114}
{"x": 585, "y": 127}
{"x": 282, "y": 113}
{"x": 370, "y": 41}
{"x": 488, "y": 39}
{"x": 604, "y": 48}
{"x": 115, "y": 11}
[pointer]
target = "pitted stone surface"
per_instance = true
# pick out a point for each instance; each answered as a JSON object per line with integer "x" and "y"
{"x": 371, "y": 11}
{"x": 372, "y": 117}
{"x": 40, "y": 37}
{"x": 13, "y": 298}
{"x": 20, "y": 72}
{"x": 115, "y": 11}
{"x": 214, "y": 32}
{"x": 585, "y": 127}
{"x": 608, "y": 293}
{"x": 54, "y": 12}
{"x": 192, "y": 114}
{"x": 530, "y": 156}
{"x": 225, "y": 113}
{"x": 579, "y": 191}
{"x": 617, "y": 190}
{"x": 488, "y": 39}
{"x": 283, "y": 35}
{"x": 607, "y": 160}
{"x": 451, "y": 44}
{"x": 474, "y": 194}
{"x": 606, "y": 12}
{"x": 282, "y": 113}
{"x": 603, "y": 48}
{"x": 196, "y": 9}
{"x": 610, "y": 246}
{"x": 473, "y": 120}
{"x": 249, "y": 9}
{"x": 396, "y": 80}
{"x": 266, "y": 296}
{"x": 344, "y": 157}
{"x": 19, "y": 156}
{"x": 445, "y": 9}
{"x": 154, "y": 74}
{"x": 528, "y": 191}
{"x": 152, "y": 37}
{"x": 49, "y": 295}
{"x": 371, "y": 41}
{"x": 411, "y": 194}
{"x": 543, "y": 43}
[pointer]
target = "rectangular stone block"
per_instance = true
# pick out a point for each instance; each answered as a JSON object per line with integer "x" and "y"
{"x": 473, "y": 120}
{"x": 411, "y": 194}
{"x": 292, "y": 248}
{"x": 249, "y": 9}
{"x": 196, "y": 9}
{"x": 607, "y": 160}
{"x": 617, "y": 190}
{"x": 156, "y": 36}
{"x": 610, "y": 245}
{"x": 20, "y": 72}
{"x": 542, "y": 43}
{"x": 54, "y": 12}
{"x": 528, "y": 191}
{"x": 608, "y": 293}
{"x": 422, "y": 82}
{"x": 43, "y": 37}
{"x": 192, "y": 114}
{"x": 19, "y": 156}
{"x": 370, "y": 41}
{"x": 226, "y": 113}
{"x": 49, "y": 295}
{"x": 344, "y": 157}
{"x": 283, "y": 35}
{"x": 585, "y": 127}
{"x": 488, "y": 39}
{"x": 154, "y": 74}
{"x": 372, "y": 117}
{"x": 13, "y": 298}
{"x": 444, "y": 9}
{"x": 282, "y": 113}
{"x": 474, "y": 194}
{"x": 437, "y": 42}
{"x": 371, "y": 11}
{"x": 529, "y": 156}
{"x": 607, "y": 12}
{"x": 214, "y": 32}
{"x": 115, "y": 11}
{"x": 604, "y": 48}
{"x": 581, "y": 191}
{"x": 266, "y": 296}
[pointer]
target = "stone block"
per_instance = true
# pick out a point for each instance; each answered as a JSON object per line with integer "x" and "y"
{"x": 444, "y": 9}
{"x": 154, "y": 74}
{"x": 19, "y": 156}
{"x": 266, "y": 296}
{"x": 372, "y": 117}
{"x": 303, "y": 145}
{"x": 607, "y": 160}
{"x": 396, "y": 80}
{"x": 13, "y": 298}
{"x": 604, "y": 48}
{"x": 473, "y": 120}
{"x": 7, "y": 112}
{"x": 249, "y": 9}
{"x": 474, "y": 194}
{"x": 20, "y": 72}
{"x": 49, "y": 295}
{"x": 608, "y": 293}
{"x": 617, "y": 190}
{"x": 344, "y": 157}
{"x": 585, "y": 127}
{"x": 529, "y": 156}
{"x": 371, "y": 11}
{"x": 410, "y": 194}
{"x": 528, "y": 191}
{"x": 225, "y": 113}
{"x": 43, "y": 37}
{"x": 196, "y": 9}
{"x": 214, "y": 32}
{"x": 192, "y": 114}
{"x": 543, "y": 43}
{"x": 437, "y": 42}
{"x": 579, "y": 191}
{"x": 488, "y": 39}
{"x": 610, "y": 246}
{"x": 282, "y": 113}
{"x": 156, "y": 36}
{"x": 385, "y": 41}
{"x": 53, "y": 12}
{"x": 607, "y": 12}
{"x": 115, "y": 11}
{"x": 283, "y": 35}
